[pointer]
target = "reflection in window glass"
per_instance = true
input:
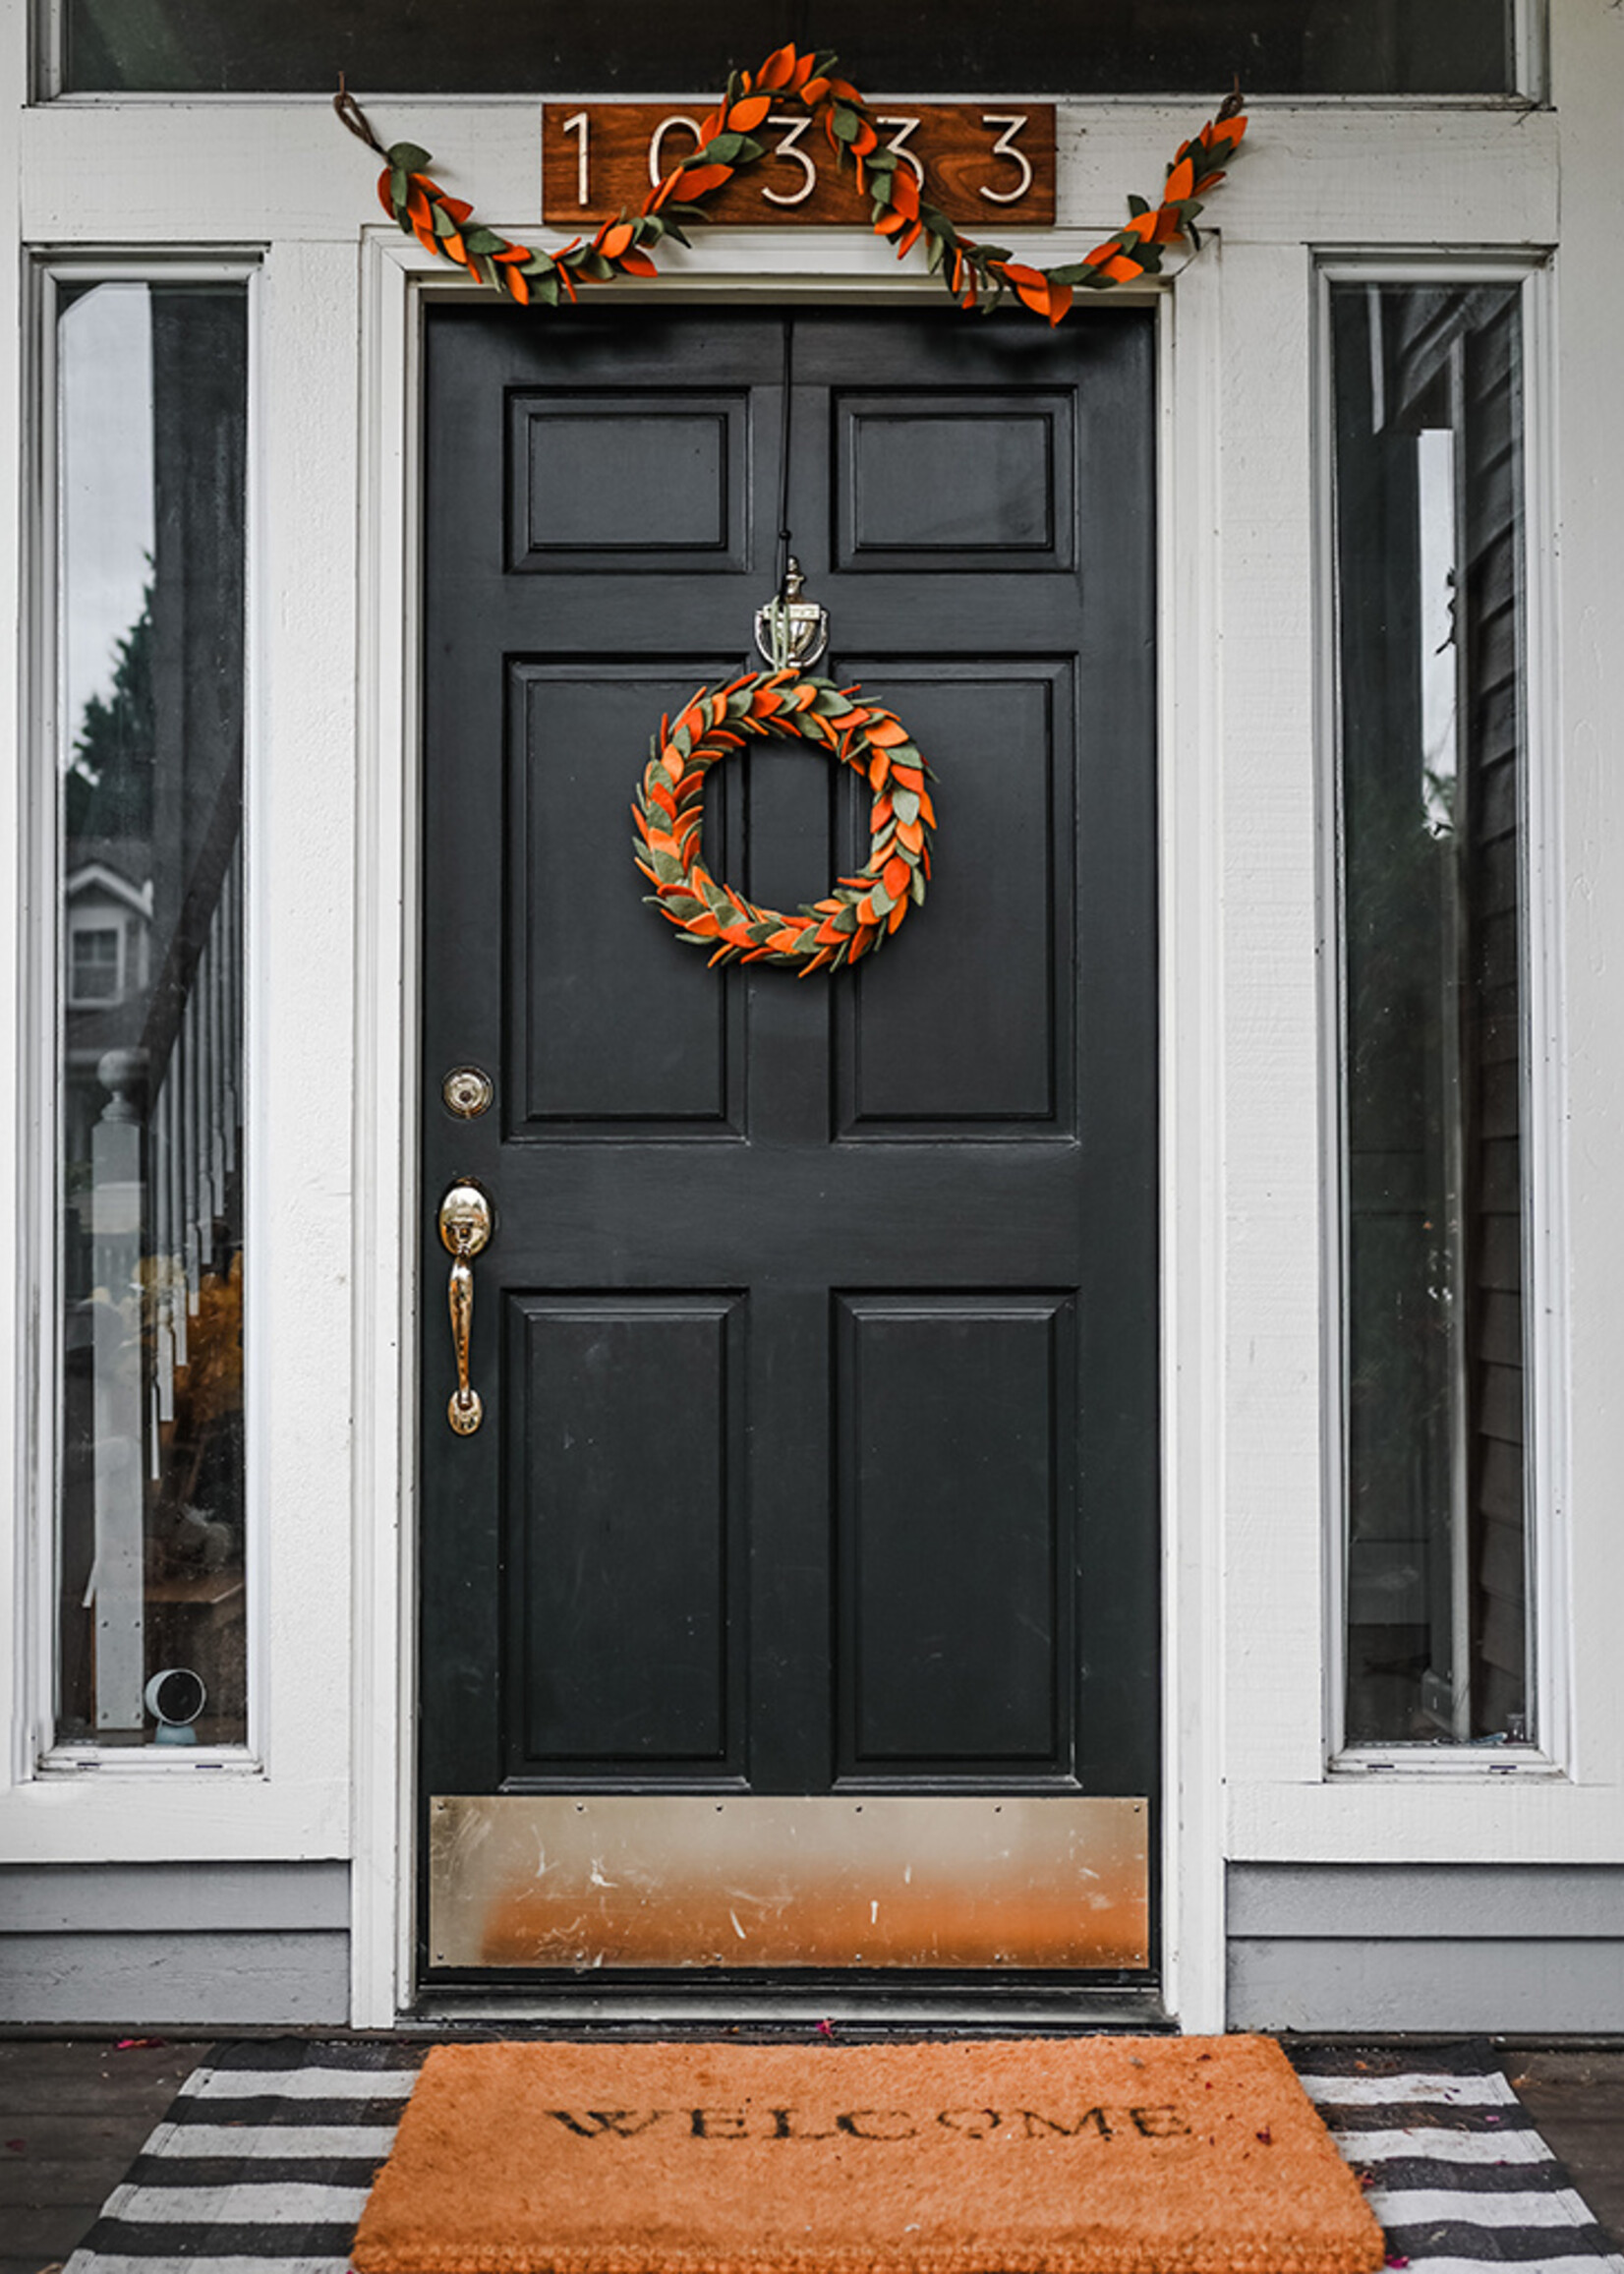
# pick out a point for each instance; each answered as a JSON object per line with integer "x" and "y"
{"x": 151, "y": 415}
{"x": 1429, "y": 426}
{"x": 1034, "y": 47}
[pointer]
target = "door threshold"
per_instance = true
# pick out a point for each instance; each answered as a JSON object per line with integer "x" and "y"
{"x": 855, "y": 2016}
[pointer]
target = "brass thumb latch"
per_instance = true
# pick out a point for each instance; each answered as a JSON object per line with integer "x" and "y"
{"x": 466, "y": 1222}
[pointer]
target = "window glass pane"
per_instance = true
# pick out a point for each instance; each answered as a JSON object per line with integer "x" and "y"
{"x": 1428, "y": 409}
{"x": 151, "y": 414}
{"x": 1035, "y": 47}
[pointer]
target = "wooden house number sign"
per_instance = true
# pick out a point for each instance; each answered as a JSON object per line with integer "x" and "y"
{"x": 994, "y": 166}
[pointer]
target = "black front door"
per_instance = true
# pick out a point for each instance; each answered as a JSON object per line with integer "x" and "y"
{"x": 810, "y": 1537}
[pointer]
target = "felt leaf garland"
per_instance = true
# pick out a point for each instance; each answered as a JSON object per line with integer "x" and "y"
{"x": 976, "y": 275}
{"x": 861, "y": 912}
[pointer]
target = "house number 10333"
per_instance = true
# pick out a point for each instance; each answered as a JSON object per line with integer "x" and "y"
{"x": 600, "y": 158}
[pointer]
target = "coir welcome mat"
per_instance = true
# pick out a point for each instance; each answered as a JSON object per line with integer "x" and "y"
{"x": 1113, "y": 2155}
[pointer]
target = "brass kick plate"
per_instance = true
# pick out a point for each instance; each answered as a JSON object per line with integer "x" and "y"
{"x": 526, "y": 1880}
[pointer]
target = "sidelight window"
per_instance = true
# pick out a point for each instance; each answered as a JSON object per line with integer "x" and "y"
{"x": 151, "y": 1573}
{"x": 1429, "y": 535}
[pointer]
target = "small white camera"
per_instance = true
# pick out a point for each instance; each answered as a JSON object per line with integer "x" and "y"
{"x": 175, "y": 1697}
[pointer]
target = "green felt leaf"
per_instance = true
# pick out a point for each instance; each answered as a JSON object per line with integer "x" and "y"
{"x": 399, "y": 188}
{"x": 906, "y": 804}
{"x": 443, "y": 224}
{"x": 883, "y": 902}
{"x": 847, "y": 125}
{"x": 483, "y": 240}
{"x": 916, "y": 888}
{"x": 721, "y": 150}
{"x": 933, "y": 258}
{"x": 882, "y": 161}
{"x": 666, "y": 867}
{"x": 1137, "y": 205}
{"x": 682, "y": 740}
{"x": 408, "y": 157}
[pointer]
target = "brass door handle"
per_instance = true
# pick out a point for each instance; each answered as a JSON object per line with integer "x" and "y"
{"x": 466, "y": 1222}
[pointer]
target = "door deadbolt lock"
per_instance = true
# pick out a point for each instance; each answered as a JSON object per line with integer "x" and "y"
{"x": 466, "y": 1223}
{"x": 467, "y": 1091}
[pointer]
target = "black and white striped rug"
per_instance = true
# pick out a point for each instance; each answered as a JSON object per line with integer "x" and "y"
{"x": 266, "y": 2159}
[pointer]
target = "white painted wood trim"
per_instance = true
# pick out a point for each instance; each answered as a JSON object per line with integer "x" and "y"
{"x": 396, "y": 273}
{"x": 1190, "y": 769}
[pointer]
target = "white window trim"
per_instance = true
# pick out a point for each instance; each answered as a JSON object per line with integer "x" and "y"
{"x": 284, "y": 1793}
{"x": 1545, "y": 1316}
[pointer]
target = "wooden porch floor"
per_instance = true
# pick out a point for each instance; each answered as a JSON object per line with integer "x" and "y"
{"x": 74, "y": 2112}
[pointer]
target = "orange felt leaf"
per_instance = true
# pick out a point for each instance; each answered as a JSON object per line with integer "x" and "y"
{"x": 672, "y": 761}
{"x": 519, "y": 286}
{"x": 511, "y": 251}
{"x": 879, "y": 769}
{"x": 776, "y": 71}
{"x": 815, "y": 90}
{"x": 904, "y": 195}
{"x": 700, "y": 180}
{"x": 896, "y": 914}
{"x": 787, "y": 939}
{"x": 1101, "y": 254}
{"x": 1060, "y": 303}
{"x": 746, "y": 116}
{"x": 927, "y": 811}
{"x": 613, "y": 241}
{"x": 908, "y": 239}
{"x": 889, "y": 222}
{"x": 908, "y": 777}
{"x": 882, "y": 813}
{"x": 912, "y": 835}
{"x": 827, "y": 936}
{"x": 1142, "y": 227}
{"x": 816, "y": 962}
{"x": 637, "y": 263}
{"x": 1236, "y": 128}
{"x": 417, "y": 205}
{"x": 863, "y": 939}
{"x": 383, "y": 196}
{"x": 865, "y": 910}
{"x": 1181, "y": 183}
{"x": 886, "y": 731}
{"x": 1123, "y": 270}
{"x": 705, "y": 926}
{"x": 847, "y": 91}
{"x": 426, "y": 237}
{"x": 454, "y": 249}
{"x": 800, "y": 75}
{"x": 867, "y": 140}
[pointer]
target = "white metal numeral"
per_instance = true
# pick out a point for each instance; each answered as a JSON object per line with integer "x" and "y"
{"x": 788, "y": 147}
{"x": 1012, "y": 121}
{"x": 655, "y": 139}
{"x": 581, "y": 126}
{"x": 898, "y": 143}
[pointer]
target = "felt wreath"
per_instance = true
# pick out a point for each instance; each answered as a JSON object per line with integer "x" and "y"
{"x": 861, "y": 912}
{"x": 977, "y": 275}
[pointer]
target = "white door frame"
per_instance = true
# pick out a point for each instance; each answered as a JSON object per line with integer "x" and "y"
{"x": 769, "y": 267}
